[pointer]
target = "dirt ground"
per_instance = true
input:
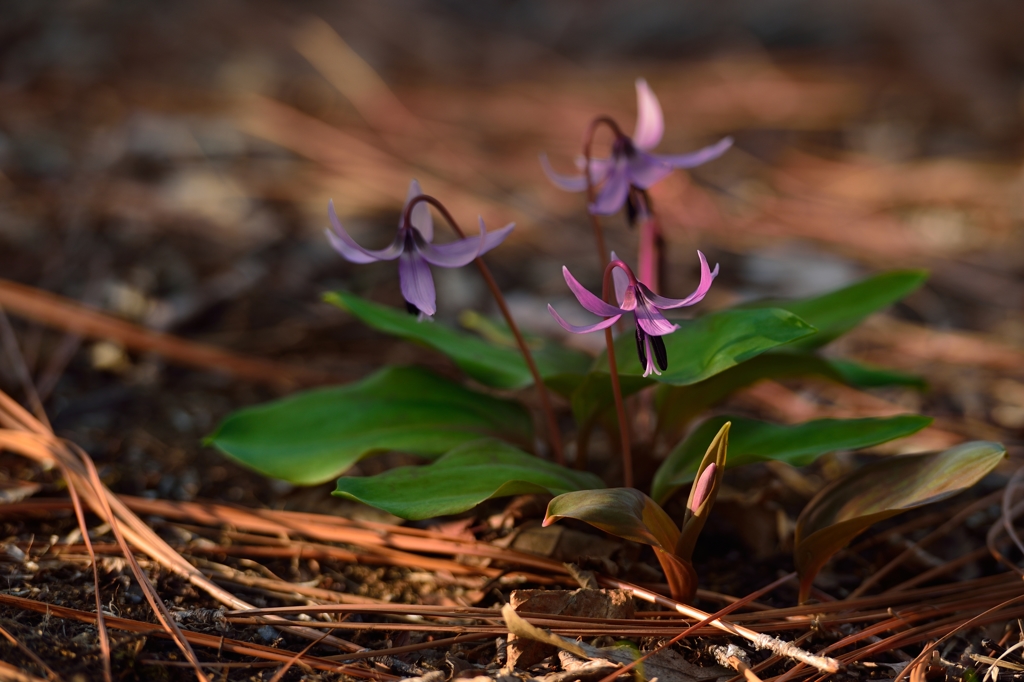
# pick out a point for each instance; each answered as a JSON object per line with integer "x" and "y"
{"x": 171, "y": 164}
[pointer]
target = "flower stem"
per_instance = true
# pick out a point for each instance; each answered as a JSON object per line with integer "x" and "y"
{"x": 595, "y": 222}
{"x": 554, "y": 435}
{"x": 613, "y": 371}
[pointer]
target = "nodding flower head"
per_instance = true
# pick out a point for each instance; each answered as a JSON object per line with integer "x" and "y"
{"x": 631, "y": 170}
{"x": 635, "y": 297}
{"x": 413, "y": 248}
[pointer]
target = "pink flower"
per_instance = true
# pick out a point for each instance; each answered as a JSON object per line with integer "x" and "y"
{"x": 635, "y": 297}
{"x": 413, "y": 249}
{"x": 631, "y": 170}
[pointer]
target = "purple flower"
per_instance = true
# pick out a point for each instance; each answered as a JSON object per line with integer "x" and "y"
{"x": 634, "y": 297}
{"x": 413, "y": 249}
{"x": 631, "y": 170}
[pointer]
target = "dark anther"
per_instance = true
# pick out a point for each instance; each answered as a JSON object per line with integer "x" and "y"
{"x": 638, "y": 205}
{"x": 640, "y": 350}
{"x": 411, "y": 309}
{"x": 660, "y": 354}
{"x": 632, "y": 210}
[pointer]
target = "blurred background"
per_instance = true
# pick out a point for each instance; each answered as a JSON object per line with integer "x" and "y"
{"x": 171, "y": 164}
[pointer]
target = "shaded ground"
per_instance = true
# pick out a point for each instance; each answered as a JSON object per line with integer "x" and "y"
{"x": 172, "y": 166}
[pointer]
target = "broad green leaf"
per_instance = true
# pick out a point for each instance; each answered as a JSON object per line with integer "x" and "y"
{"x": 837, "y": 312}
{"x": 313, "y": 436}
{"x": 701, "y": 348}
{"x": 462, "y": 479}
{"x": 881, "y": 490}
{"x": 869, "y": 376}
{"x": 497, "y": 365}
{"x": 799, "y": 444}
{"x": 624, "y": 512}
{"x": 679, "y": 405}
{"x": 710, "y": 344}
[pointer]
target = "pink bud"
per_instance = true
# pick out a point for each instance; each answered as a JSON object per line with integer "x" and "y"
{"x": 703, "y": 487}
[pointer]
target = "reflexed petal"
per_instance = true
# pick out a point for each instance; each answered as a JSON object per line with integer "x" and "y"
{"x": 570, "y": 183}
{"x": 350, "y": 250}
{"x": 651, "y": 320}
{"x": 420, "y": 218}
{"x": 621, "y": 281}
{"x": 587, "y": 299}
{"x": 698, "y": 157}
{"x": 646, "y": 169}
{"x": 493, "y": 239}
{"x": 613, "y": 193}
{"x": 417, "y": 282}
{"x": 603, "y": 324}
{"x": 463, "y": 251}
{"x": 707, "y": 276}
{"x": 649, "y": 122}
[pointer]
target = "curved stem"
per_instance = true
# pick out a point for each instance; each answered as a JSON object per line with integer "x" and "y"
{"x": 554, "y": 436}
{"x": 595, "y": 222}
{"x": 613, "y": 370}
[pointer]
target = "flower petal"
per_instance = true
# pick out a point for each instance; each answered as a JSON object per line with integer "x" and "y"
{"x": 417, "y": 282}
{"x": 646, "y": 169}
{"x": 463, "y": 251}
{"x": 650, "y": 123}
{"x": 603, "y": 324}
{"x": 707, "y": 276}
{"x": 651, "y": 320}
{"x": 420, "y": 218}
{"x": 621, "y": 281}
{"x": 698, "y": 157}
{"x": 570, "y": 183}
{"x": 350, "y": 250}
{"x": 587, "y": 299}
{"x": 613, "y": 193}
{"x": 599, "y": 168}
{"x": 652, "y": 366}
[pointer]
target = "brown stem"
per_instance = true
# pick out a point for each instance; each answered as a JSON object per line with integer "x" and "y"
{"x": 620, "y": 409}
{"x": 554, "y": 436}
{"x": 595, "y": 222}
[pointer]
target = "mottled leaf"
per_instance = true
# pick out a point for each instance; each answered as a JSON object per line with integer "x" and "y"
{"x": 881, "y": 490}
{"x": 462, "y": 479}
{"x": 313, "y": 436}
{"x": 624, "y": 512}
{"x": 492, "y": 363}
{"x": 797, "y": 444}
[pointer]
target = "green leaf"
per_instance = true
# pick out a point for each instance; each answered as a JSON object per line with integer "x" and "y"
{"x": 800, "y": 444}
{"x": 701, "y": 348}
{"x": 496, "y": 365}
{"x": 879, "y": 491}
{"x": 838, "y": 312}
{"x": 623, "y": 512}
{"x": 705, "y": 346}
{"x": 462, "y": 479}
{"x": 869, "y": 376}
{"x": 679, "y": 405}
{"x": 313, "y": 436}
